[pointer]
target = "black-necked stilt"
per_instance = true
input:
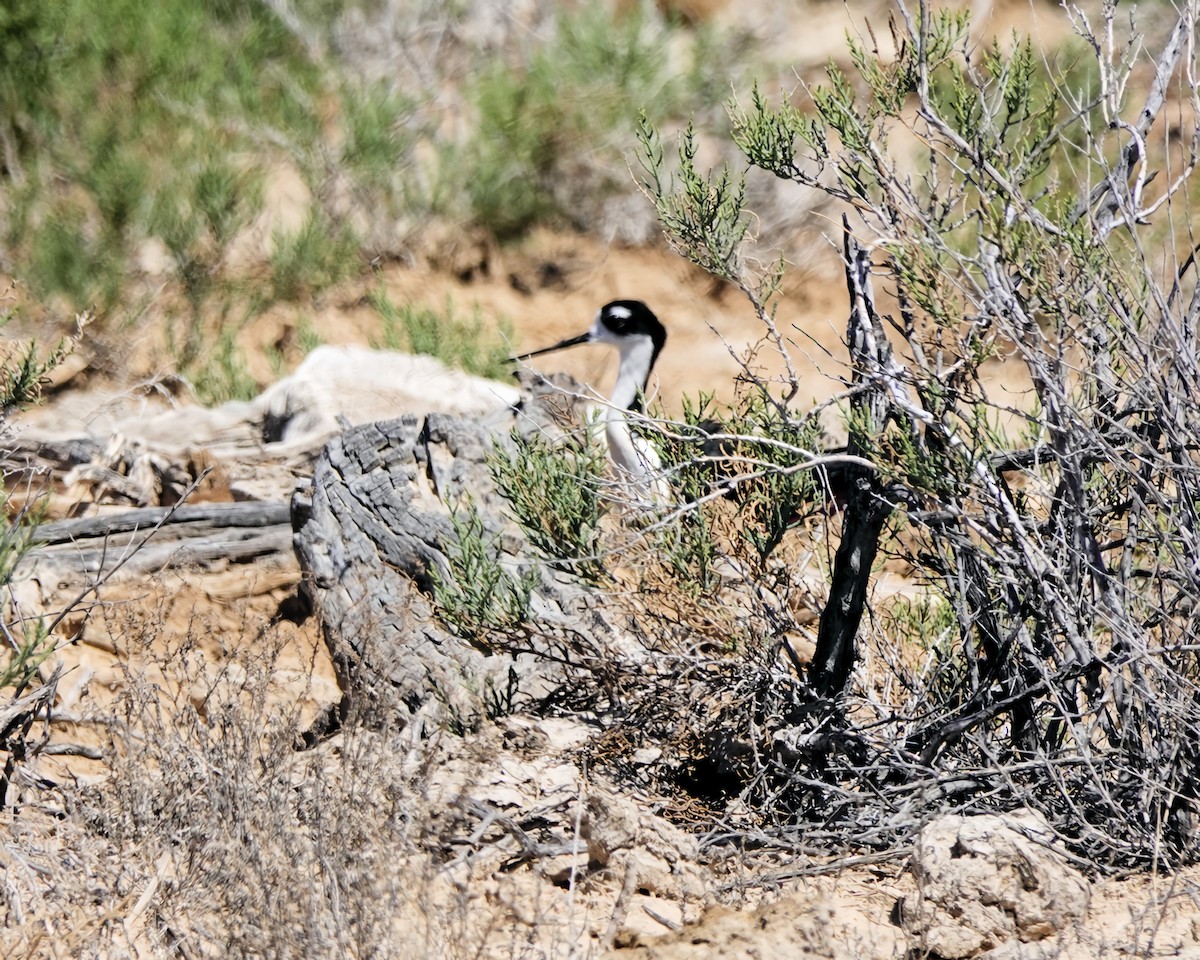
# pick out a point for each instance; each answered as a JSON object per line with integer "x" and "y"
{"x": 631, "y": 327}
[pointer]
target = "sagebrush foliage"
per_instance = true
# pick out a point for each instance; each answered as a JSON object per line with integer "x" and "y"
{"x": 477, "y": 594}
{"x": 555, "y": 490}
{"x": 1011, "y": 213}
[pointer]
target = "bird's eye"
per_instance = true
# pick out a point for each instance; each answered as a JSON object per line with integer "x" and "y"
{"x": 618, "y": 318}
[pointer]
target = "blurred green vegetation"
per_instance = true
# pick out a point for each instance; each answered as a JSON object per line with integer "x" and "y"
{"x": 456, "y": 340}
{"x": 120, "y": 121}
{"x": 571, "y": 106}
{"x": 130, "y": 132}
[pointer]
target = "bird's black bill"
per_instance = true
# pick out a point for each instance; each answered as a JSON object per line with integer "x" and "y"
{"x": 573, "y": 342}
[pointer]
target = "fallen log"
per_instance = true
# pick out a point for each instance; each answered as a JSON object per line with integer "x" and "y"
{"x": 372, "y": 535}
{"x": 151, "y": 539}
{"x": 195, "y": 516}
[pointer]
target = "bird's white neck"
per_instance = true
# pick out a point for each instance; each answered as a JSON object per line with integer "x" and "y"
{"x": 636, "y": 461}
{"x": 637, "y": 357}
{"x": 638, "y": 467}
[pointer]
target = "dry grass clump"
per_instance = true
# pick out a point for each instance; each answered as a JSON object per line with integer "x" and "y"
{"x": 213, "y": 832}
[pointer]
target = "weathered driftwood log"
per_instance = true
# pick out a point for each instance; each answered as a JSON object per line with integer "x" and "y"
{"x": 152, "y": 539}
{"x": 371, "y": 530}
{"x": 191, "y": 518}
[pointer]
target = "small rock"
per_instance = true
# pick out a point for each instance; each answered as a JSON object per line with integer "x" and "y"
{"x": 987, "y": 881}
{"x": 623, "y": 836}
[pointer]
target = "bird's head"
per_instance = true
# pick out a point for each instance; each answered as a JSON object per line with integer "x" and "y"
{"x": 628, "y": 325}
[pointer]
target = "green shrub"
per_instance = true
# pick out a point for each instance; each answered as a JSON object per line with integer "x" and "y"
{"x": 453, "y": 339}
{"x": 27, "y": 641}
{"x": 478, "y": 594}
{"x": 1005, "y": 209}
{"x": 551, "y": 131}
{"x": 222, "y": 375}
{"x": 380, "y": 133}
{"x": 555, "y": 492}
{"x": 313, "y": 258}
{"x": 103, "y": 112}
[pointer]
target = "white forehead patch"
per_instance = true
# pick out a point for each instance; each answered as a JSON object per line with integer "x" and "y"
{"x": 621, "y": 313}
